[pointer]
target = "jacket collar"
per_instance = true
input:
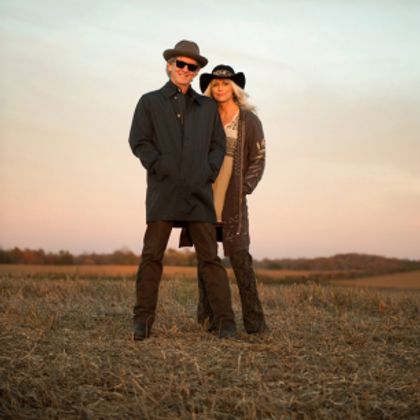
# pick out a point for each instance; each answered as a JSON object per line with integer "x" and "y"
{"x": 169, "y": 90}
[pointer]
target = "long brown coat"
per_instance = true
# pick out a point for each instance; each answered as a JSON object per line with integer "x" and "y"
{"x": 248, "y": 168}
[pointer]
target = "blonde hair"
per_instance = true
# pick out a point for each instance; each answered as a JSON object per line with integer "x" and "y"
{"x": 239, "y": 96}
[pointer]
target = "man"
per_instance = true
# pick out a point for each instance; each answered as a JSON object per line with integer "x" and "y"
{"x": 178, "y": 137}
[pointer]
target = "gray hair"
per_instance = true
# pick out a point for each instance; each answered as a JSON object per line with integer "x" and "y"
{"x": 239, "y": 96}
{"x": 170, "y": 61}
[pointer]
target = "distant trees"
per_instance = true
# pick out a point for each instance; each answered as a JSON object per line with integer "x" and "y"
{"x": 121, "y": 256}
{"x": 35, "y": 256}
{"x": 361, "y": 263}
{"x": 345, "y": 262}
{"x": 184, "y": 258}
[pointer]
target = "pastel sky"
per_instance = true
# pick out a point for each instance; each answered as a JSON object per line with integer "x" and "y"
{"x": 336, "y": 85}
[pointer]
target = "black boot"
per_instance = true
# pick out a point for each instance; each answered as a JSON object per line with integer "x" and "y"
{"x": 227, "y": 330}
{"x": 140, "y": 331}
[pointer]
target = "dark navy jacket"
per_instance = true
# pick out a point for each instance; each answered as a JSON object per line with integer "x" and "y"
{"x": 181, "y": 151}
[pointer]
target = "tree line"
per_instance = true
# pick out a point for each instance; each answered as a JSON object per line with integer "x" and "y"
{"x": 124, "y": 256}
{"x": 344, "y": 262}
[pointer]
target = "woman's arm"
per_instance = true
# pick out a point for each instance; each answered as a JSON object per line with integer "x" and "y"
{"x": 256, "y": 154}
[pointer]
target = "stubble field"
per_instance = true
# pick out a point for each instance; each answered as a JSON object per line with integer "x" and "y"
{"x": 332, "y": 352}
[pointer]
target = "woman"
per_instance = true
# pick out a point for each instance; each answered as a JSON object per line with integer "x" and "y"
{"x": 240, "y": 173}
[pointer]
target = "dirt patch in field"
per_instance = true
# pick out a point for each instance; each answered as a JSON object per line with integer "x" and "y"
{"x": 409, "y": 280}
{"x": 170, "y": 272}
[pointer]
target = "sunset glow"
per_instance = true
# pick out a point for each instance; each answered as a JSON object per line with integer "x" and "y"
{"x": 336, "y": 85}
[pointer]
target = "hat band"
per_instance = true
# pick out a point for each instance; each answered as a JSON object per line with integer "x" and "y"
{"x": 223, "y": 73}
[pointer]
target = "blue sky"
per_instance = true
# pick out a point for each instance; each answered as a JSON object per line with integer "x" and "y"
{"x": 336, "y": 84}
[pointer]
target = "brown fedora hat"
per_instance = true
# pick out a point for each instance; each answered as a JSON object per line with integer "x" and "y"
{"x": 186, "y": 49}
{"x": 222, "y": 71}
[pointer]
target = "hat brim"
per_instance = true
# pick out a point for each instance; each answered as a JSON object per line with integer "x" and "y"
{"x": 206, "y": 78}
{"x": 171, "y": 53}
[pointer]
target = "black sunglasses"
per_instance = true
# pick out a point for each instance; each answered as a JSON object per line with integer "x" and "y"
{"x": 181, "y": 64}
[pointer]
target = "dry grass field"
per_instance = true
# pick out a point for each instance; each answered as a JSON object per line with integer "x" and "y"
{"x": 332, "y": 352}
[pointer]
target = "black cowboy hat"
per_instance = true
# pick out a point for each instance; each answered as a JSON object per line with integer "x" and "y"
{"x": 222, "y": 71}
{"x": 186, "y": 49}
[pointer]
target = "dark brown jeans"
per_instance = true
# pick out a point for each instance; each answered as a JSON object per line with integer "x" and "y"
{"x": 252, "y": 312}
{"x": 214, "y": 275}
